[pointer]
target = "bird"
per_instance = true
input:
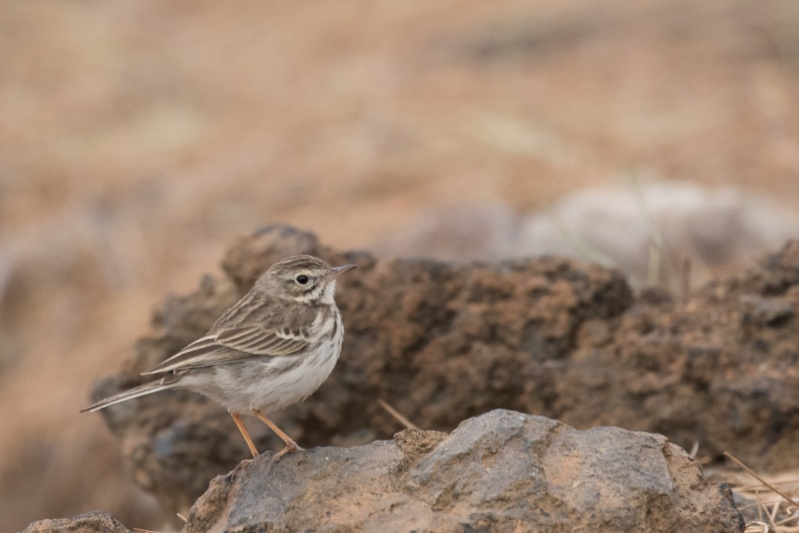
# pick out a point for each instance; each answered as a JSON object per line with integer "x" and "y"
{"x": 271, "y": 349}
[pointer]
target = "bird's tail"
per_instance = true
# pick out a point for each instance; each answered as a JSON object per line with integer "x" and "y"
{"x": 141, "y": 390}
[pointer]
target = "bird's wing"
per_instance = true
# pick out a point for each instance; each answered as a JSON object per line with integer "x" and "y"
{"x": 235, "y": 344}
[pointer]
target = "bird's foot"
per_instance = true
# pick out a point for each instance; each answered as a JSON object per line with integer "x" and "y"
{"x": 291, "y": 447}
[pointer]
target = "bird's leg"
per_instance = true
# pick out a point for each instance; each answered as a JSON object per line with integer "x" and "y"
{"x": 291, "y": 446}
{"x": 243, "y": 430}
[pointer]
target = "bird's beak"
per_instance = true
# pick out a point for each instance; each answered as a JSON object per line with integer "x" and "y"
{"x": 337, "y": 271}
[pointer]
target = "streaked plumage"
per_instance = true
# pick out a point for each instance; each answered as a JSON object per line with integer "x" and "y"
{"x": 271, "y": 349}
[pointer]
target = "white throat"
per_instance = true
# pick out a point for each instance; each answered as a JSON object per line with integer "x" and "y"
{"x": 328, "y": 293}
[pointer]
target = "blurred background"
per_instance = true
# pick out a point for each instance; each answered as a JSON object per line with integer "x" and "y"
{"x": 138, "y": 138}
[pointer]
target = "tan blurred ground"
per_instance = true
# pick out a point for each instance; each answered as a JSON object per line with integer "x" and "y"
{"x": 138, "y": 137}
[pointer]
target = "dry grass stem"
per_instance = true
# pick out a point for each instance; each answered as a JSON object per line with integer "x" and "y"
{"x": 685, "y": 280}
{"x": 396, "y": 414}
{"x": 773, "y": 515}
{"x": 659, "y": 253}
{"x": 694, "y": 450}
{"x": 585, "y": 250}
{"x": 760, "y": 479}
{"x": 762, "y": 526}
{"x": 758, "y": 504}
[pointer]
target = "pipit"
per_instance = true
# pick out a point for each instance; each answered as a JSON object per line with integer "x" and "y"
{"x": 272, "y": 348}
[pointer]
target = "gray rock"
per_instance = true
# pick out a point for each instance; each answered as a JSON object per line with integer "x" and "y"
{"x": 502, "y": 471}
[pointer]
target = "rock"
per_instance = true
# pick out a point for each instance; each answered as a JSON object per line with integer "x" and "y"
{"x": 482, "y": 232}
{"x": 720, "y": 229}
{"x": 501, "y": 471}
{"x": 444, "y": 342}
{"x": 721, "y": 370}
{"x": 94, "y": 522}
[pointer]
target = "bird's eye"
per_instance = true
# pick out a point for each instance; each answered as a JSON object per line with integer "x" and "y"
{"x": 302, "y": 279}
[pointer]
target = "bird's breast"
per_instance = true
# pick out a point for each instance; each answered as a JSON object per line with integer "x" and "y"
{"x": 277, "y": 382}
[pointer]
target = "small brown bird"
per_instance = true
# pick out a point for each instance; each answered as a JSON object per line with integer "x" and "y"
{"x": 271, "y": 349}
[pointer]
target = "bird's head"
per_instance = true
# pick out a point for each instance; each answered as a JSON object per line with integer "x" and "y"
{"x": 302, "y": 278}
